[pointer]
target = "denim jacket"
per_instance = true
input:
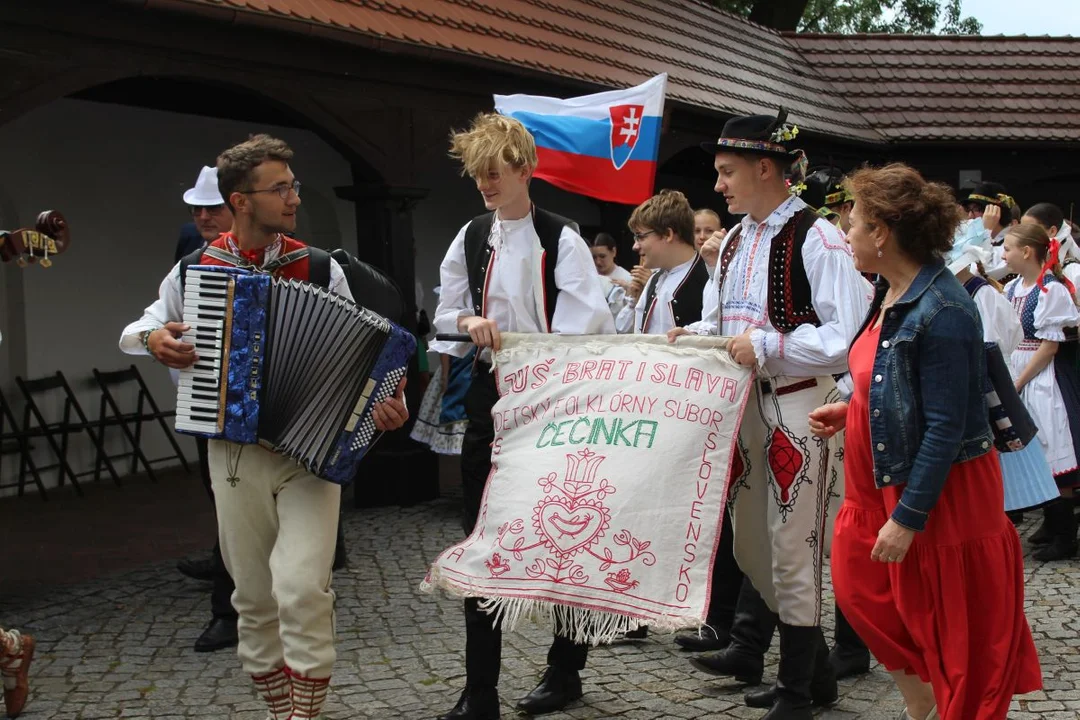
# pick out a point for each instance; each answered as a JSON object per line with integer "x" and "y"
{"x": 927, "y": 400}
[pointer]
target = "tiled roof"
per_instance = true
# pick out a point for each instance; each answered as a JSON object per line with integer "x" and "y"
{"x": 714, "y": 60}
{"x": 872, "y": 87}
{"x": 946, "y": 88}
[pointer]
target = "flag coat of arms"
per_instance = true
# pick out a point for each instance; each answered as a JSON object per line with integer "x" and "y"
{"x": 603, "y": 145}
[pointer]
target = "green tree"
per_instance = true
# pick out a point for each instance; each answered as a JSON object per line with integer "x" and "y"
{"x": 857, "y": 16}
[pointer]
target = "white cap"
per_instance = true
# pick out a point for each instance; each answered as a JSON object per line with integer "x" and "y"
{"x": 205, "y": 193}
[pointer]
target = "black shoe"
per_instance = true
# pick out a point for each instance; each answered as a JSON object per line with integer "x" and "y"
{"x": 1056, "y": 550}
{"x": 640, "y": 634}
{"x": 202, "y": 569}
{"x": 556, "y": 690}
{"x": 849, "y": 662}
{"x": 706, "y": 641}
{"x": 763, "y": 699}
{"x": 218, "y": 635}
{"x": 475, "y": 704}
{"x": 732, "y": 661}
{"x": 804, "y": 674}
{"x": 1015, "y": 517}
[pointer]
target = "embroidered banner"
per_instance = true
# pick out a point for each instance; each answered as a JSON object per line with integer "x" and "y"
{"x": 609, "y": 469}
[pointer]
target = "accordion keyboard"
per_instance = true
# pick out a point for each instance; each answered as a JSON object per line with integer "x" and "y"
{"x": 207, "y": 299}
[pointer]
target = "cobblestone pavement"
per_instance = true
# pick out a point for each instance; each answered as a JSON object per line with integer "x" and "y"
{"x": 121, "y": 646}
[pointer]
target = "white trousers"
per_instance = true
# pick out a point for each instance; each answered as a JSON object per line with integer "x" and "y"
{"x": 786, "y": 489}
{"x": 278, "y": 529}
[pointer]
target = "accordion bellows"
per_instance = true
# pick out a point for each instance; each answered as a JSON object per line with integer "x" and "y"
{"x": 288, "y": 364}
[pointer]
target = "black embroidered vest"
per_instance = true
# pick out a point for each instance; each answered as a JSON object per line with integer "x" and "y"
{"x": 478, "y": 254}
{"x": 686, "y": 301}
{"x": 789, "y": 296}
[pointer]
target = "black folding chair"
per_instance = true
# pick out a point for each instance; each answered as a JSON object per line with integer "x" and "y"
{"x": 63, "y": 428}
{"x": 130, "y": 423}
{"x": 13, "y": 439}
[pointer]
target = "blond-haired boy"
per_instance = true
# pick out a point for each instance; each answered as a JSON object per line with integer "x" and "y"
{"x": 516, "y": 268}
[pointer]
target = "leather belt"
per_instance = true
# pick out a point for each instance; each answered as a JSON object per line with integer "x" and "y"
{"x": 767, "y": 387}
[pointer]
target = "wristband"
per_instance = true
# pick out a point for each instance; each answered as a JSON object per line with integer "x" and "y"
{"x": 146, "y": 344}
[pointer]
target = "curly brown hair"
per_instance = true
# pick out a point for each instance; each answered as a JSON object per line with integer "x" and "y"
{"x": 236, "y": 165}
{"x": 922, "y": 216}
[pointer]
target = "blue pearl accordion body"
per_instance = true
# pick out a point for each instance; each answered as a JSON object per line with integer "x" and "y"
{"x": 287, "y": 364}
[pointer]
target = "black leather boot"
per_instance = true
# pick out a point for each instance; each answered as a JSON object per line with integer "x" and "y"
{"x": 556, "y": 690}
{"x": 823, "y": 690}
{"x": 800, "y": 651}
{"x": 849, "y": 656}
{"x": 475, "y": 703}
{"x": 1062, "y": 524}
{"x": 751, "y": 635}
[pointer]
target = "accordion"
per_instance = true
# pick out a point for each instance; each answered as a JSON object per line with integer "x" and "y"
{"x": 287, "y": 364}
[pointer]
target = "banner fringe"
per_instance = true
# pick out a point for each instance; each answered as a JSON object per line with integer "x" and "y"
{"x": 581, "y": 625}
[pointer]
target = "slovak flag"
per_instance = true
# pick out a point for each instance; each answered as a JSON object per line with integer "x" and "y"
{"x": 603, "y": 145}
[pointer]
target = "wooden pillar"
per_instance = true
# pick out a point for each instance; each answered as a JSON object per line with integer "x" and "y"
{"x": 398, "y": 471}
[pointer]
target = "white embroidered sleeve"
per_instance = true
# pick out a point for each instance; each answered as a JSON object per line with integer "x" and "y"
{"x": 629, "y": 318}
{"x": 169, "y": 307}
{"x": 581, "y": 308}
{"x": 455, "y": 300}
{"x": 710, "y": 311}
{"x": 1055, "y": 311}
{"x": 1001, "y": 324}
{"x": 841, "y": 298}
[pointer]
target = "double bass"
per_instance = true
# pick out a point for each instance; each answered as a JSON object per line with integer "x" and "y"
{"x": 49, "y": 237}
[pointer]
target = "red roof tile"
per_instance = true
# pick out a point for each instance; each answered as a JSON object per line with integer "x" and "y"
{"x": 865, "y": 87}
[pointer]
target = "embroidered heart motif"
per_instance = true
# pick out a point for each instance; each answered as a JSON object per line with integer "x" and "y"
{"x": 569, "y": 530}
{"x": 786, "y": 461}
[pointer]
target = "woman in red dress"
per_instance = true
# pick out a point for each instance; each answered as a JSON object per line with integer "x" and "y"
{"x": 926, "y": 566}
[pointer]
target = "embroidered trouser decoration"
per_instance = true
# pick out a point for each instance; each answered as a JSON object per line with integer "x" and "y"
{"x": 278, "y": 529}
{"x": 786, "y": 496}
{"x": 308, "y": 695}
{"x": 274, "y": 689}
{"x": 16, "y": 653}
{"x": 10, "y": 656}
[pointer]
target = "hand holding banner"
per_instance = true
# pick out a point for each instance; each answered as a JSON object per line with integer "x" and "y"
{"x": 609, "y": 478}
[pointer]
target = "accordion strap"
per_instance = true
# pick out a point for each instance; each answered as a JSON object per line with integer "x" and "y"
{"x": 278, "y": 262}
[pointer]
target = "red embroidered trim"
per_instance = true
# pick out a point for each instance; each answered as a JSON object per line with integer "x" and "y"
{"x": 308, "y": 695}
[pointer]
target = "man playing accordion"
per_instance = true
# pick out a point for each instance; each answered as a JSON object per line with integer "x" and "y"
{"x": 276, "y": 520}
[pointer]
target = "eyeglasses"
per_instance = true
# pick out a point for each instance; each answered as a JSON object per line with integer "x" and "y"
{"x": 210, "y": 209}
{"x": 643, "y": 235}
{"x": 282, "y": 190}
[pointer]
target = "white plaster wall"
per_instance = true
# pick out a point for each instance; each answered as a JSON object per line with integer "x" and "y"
{"x": 118, "y": 174}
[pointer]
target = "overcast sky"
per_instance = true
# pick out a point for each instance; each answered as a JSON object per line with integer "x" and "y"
{"x": 1026, "y": 17}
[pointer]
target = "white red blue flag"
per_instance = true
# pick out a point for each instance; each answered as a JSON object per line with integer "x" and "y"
{"x": 603, "y": 145}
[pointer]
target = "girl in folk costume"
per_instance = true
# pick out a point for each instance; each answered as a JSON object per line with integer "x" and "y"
{"x": 1044, "y": 367}
{"x": 1053, "y": 221}
{"x": 1026, "y": 475}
